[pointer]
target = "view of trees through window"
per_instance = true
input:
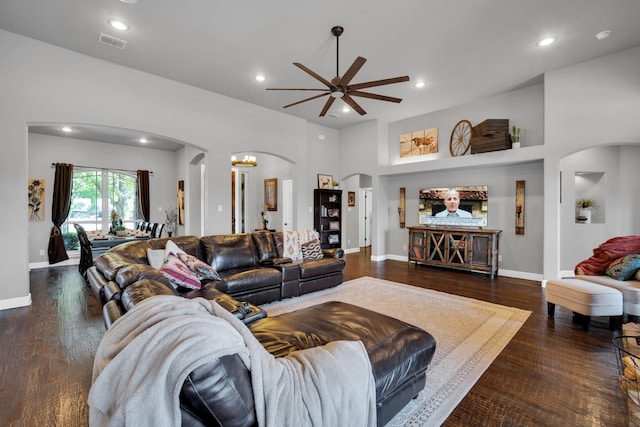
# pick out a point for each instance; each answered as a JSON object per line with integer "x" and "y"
{"x": 95, "y": 194}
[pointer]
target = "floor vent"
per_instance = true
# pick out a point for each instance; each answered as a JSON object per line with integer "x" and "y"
{"x": 111, "y": 41}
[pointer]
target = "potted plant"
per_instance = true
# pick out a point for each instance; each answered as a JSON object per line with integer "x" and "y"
{"x": 120, "y": 230}
{"x": 584, "y": 207}
{"x": 515, "y": 136}
{"x": 336, "y": 185}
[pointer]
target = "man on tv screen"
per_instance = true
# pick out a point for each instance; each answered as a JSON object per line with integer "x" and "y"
{"x": 452, "y": 201}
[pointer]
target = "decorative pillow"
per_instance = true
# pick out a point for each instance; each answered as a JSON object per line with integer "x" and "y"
{"x": 201, "y": 268}
{"x": 638, "y": 275}
{"x": 172, "y": 248}
{"x": 312, "y": 250}
{"x": 624, "y": 268}
{"x": 179, "y": 274}
{"x": 155, "y": 257}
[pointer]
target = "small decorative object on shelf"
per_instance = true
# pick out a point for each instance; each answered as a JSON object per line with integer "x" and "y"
{"x": 515, "y": 136}
{"x": 584, "y": 207}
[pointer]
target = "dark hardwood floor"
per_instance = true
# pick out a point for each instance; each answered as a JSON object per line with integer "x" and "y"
{"x": 552, "y": 373}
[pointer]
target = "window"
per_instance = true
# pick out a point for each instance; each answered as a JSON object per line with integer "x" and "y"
{"x": 94, "y": 195}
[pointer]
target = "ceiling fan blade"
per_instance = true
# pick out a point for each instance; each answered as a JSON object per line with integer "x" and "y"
{"x": 353, "y": 104}
{"x": 327, "y": 105}
{"x": 374, "y": 96}
{"x": 378, "y": 83}
{"x": 291, "y": 88}
{"x": 314, "y": 75}
{"x": 351, "y": 72}
{"x": 307, "y": 99}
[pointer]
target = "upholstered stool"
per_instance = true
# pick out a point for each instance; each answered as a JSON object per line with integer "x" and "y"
{"x": 585, "y": 298}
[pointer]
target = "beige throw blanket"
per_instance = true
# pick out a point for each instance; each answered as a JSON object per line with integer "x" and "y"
{"x": 145, "y": 356}
{"x": 293, "y": 241}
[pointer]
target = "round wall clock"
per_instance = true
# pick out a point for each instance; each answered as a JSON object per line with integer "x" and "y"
{"x": 460, "y": 141}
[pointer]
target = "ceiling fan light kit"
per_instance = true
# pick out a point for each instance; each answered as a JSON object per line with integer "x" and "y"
{"x": 339, "y": 87}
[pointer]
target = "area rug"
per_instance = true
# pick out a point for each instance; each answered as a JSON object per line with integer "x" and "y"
{"x": 469, "y": 335}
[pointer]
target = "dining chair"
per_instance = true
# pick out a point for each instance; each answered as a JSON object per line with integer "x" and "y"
{"x": 86, "y": 257}
{"x": 158, "y": 230}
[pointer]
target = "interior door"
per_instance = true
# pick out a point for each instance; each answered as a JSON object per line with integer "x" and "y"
{"x": 287, "y": 204}
{"x": 366, "y": 216}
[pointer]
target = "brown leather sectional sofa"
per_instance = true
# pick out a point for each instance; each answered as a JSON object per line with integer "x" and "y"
{"x": 250, "y": 266}
{"x": 254, "y": 272}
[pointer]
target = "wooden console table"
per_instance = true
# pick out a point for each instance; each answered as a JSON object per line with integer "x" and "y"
{"x": 461, "y": 248}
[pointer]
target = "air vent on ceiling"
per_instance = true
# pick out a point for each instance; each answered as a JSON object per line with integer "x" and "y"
{"x": 111, "y": 41}
{"x": 333, "y": 115}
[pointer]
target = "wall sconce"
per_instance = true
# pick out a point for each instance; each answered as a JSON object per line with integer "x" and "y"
{"x": 402, "y": 206}
{"x": 246, "y": 162}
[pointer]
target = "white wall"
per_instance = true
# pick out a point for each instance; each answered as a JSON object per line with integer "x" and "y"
{"x": 594, "y": 103}
{"x": 520, "y": 253}
{"x": 360, "y": 153}
{"x": 616, "y": 204}
{"x": 44, "y": 150}
{"x": 41, "y": 83}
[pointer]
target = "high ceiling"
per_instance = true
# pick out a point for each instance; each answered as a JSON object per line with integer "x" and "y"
{"x": 462, "y": 49}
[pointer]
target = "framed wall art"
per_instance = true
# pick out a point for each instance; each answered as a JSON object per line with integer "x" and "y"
{"x": 351, "y": 198}
{"x": 36, "y": 191}
{"x": 271, "y": 194}
{"x": 325, "y": 182}
{"x": 180, "y": 201}
{"x": 419, "y": 143}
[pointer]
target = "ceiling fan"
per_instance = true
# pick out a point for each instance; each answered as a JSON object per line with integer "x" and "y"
{"x": 339, "y": 87}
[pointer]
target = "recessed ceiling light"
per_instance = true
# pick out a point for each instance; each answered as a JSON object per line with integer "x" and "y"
{"x": 66, "y": 129}
{"x": 345, "y": 109}
{"x": 603, "y": 34}
{"x": 420, "y": 84}
{"x": 118, "y": 25}
{"x": 143, "y": 140}
{"x": 547, "y": 41}
{"x": 260, "y": 78}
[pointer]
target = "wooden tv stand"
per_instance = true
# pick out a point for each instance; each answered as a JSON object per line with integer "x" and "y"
{"x": 462, "y": 248}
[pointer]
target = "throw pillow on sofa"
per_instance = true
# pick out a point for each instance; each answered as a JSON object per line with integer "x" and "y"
{"x": 624, "y": 268}
{"x": 156, "y": 258}
{"x": 201, "y": 268}
{"x": 179, "y": 274}
{"x": 311, "y": 250}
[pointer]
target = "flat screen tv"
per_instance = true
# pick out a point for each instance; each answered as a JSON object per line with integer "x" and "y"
{"x": 473, "y": 199}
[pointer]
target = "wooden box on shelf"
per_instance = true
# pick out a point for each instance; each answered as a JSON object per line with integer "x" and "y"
{"x": 490, "y": 135}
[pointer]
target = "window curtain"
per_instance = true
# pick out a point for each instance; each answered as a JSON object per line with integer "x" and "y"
{"x": 143, "y": 194}
{"x": 62, "y": 187}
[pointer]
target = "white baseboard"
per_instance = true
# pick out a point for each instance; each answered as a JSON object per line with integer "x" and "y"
{"x": 6, "y": 304}
{"x": 501, "y": 272}
{"x": 45, "y": 264}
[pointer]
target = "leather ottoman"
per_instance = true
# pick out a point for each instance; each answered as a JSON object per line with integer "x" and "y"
{"x": 400, "y": 353}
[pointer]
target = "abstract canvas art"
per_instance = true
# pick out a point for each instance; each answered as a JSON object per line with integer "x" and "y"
{"x": 36, "y": 191}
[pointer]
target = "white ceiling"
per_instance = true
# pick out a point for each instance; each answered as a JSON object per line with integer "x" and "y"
{"x": 463, "y": 49}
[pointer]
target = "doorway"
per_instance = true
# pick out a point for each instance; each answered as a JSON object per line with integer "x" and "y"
{"x": 239, "y": 195}
{"x": 287, "y": 204}
{"x": 366, "y": 213}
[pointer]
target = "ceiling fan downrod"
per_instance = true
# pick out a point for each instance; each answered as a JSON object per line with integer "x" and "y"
{"x": 337, "y": 32}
